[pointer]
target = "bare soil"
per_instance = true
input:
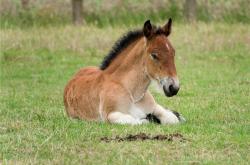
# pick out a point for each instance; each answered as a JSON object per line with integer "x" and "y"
{"x": 143, "y": 136}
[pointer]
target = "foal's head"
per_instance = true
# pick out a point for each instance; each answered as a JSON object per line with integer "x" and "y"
{"x": 160, "y": 54}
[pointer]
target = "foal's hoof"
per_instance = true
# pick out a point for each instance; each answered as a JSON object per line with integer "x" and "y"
{"x": 153, "y": 119}
{"x": 179, "y": 116}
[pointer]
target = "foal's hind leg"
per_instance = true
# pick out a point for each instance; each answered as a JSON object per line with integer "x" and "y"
{"x": 122, "y": 118}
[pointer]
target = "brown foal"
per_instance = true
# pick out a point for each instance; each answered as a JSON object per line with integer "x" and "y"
{"x": 117, "y": 92}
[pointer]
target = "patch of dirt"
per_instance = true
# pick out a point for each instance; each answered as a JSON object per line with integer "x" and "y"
{"x": 143, "y": 136}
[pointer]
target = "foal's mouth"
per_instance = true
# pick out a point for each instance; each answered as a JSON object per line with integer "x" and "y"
{"x": 170, "y": 91}
{"x": 170, "y": 86}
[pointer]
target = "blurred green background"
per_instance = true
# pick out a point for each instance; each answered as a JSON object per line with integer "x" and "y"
{"x": 120, "y": 12}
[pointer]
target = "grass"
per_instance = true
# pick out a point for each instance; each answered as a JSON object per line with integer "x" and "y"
{"x": 213, "y": 65}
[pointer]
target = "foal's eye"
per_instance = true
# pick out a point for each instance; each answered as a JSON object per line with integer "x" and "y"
{"x": 154, "y": 56}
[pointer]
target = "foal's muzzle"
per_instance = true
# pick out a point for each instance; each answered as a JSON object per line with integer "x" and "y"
{"x": 170, "y": 86}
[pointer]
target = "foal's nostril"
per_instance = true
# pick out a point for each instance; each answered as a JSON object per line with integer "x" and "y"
{"x": 173, "y": 90}
{"x": 170, "y": 87}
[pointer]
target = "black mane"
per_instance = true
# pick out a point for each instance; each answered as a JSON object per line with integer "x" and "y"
{"x": 123, "y": 43}
{"x": 120, "y": 45}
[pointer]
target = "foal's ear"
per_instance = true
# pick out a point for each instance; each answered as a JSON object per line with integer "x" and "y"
{"x": 167, "y": 27}
{"x": 147, "y": 29}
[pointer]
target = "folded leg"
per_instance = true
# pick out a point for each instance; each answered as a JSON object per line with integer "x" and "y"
{"x": 159, "y": 113}
{"x": 122, "y": 118}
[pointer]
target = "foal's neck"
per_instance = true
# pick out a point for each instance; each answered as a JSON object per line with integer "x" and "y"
{"x": 132, "y": 72}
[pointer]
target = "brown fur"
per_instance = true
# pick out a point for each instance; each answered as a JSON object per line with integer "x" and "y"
{"x": 92, "y": 94}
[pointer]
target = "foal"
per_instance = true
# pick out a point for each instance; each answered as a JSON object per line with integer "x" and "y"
{"x": 117, "y": 92}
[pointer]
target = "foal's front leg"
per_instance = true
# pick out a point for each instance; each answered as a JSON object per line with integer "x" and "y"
{"x": 167, "y": 116}
{"x": 164, "y": 115}
{"x": 122, "y": 118}
{"x": 118, "y": 109}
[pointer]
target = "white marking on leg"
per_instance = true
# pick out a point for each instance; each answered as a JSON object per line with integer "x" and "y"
{"x": 137, "y": 112}
{"x": 165, "y": 116}
{"x": 121, "y": 118}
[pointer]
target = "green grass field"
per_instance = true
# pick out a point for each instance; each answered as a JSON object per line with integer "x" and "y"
{"x": 213, "y": 64}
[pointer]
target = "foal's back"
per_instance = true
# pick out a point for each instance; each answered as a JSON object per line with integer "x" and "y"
{"x": 81, "y": 94}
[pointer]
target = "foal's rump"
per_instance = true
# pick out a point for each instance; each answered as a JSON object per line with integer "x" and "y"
{"x": 81, "y": 94}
